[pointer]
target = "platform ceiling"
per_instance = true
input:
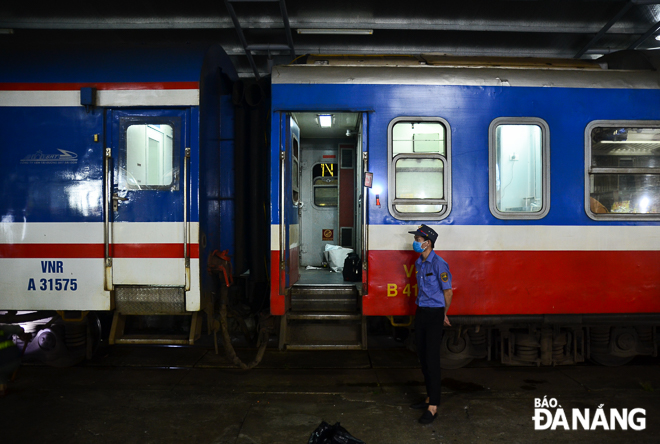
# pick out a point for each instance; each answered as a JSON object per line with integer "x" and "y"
{"x": 531, "y": 28}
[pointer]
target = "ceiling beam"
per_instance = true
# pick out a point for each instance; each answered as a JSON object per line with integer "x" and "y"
{"x": 218, "y": 22}
{"x": 604, "y": 29}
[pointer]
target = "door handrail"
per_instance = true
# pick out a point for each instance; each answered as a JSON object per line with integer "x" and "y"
{"x": 365, "y": 228}
{"x": 282, "y": 226}
{"x": 106, "y": 218}
{"x": 186, "y": 222}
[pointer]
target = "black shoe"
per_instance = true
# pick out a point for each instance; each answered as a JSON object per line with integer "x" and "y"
{"x": 427, "y": 417}
{"x": 420, "y": 405}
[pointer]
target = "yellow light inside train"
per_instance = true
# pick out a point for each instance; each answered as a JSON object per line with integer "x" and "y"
{"x": 325, "y": 120}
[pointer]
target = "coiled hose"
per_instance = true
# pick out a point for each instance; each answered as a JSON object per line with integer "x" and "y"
{"x": 220, "y": 263}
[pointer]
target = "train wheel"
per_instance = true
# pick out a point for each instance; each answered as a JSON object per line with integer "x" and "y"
{"x": 610, "y": 360}
{"x": 454, "y": 352}
{"x": 601, "y": 341}
{"x": 65, "y": 344}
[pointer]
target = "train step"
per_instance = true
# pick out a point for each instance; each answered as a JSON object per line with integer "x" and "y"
{"x": 118, "y": 335}
{"x": 325, "y": 298}
{"x": 323, "y": 317}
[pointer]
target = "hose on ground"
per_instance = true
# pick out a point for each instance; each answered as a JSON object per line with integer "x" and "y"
{"x": 262, "y": 340}
{"x": 220, "y": 263}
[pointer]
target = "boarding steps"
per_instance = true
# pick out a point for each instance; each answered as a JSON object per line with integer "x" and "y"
{"x": 133, "y": 301}
{"x": 322, "y": 317}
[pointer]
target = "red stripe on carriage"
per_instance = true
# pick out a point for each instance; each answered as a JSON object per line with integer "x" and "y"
{"x": 95, "y": 251}
{"x": 101, "y": 86}
{"x": 522, "y": 282}
{"x": 512, "y": 282}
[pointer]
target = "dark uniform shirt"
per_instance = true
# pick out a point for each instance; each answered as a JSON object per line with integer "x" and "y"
{"x": 433, "y": 277}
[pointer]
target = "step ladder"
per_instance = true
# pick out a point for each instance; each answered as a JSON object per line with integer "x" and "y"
{"x": 268, "y": 47}
{"x": 137, "y": 301}
{"x": 323, "y": 317}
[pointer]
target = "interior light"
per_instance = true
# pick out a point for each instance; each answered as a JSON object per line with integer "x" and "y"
{"x": 657, "y": 37}
{"x": 347, "y": 31}
{"x": 644, "y": 205}
{"x": 325, "y": 120}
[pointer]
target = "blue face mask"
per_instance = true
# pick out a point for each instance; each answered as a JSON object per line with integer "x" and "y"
{"x": 417, "y": 246}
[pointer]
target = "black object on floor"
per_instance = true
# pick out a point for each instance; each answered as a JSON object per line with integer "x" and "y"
{"x": 332, "y": 434}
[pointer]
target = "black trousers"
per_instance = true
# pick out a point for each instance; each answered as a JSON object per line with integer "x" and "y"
{"x": 428, "y": 339}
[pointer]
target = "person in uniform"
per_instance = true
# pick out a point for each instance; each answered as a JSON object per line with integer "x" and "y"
{"x": 433, "y": 300}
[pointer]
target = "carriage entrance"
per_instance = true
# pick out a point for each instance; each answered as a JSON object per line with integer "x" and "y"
{"x": 326, "y": 219}
{"x": 149, "y": 198}
{"x": 147, "y": 222}
{"x": 329, "y": 200}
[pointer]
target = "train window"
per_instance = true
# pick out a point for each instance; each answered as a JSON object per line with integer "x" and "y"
{"x": 419, "y": 170}
{"x": 325, "y": 185}
{"x": 623, "y": 170}
{"x": 519, "y": 161}
{"x": 149, "y": 156}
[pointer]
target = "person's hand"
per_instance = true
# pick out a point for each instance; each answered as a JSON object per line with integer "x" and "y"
{"x": 447, "y": 323}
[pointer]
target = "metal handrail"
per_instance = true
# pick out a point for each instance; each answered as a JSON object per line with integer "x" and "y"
{"x": 282, "y": 226}
{"x": 106, "y": 219}
{"x": 186, "y": 222}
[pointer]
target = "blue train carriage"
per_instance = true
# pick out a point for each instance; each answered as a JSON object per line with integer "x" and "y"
{"x": 541, "y": 177}
{"x": 104, "y": 205}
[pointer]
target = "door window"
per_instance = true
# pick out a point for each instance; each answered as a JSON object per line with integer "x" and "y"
{"x": 325, "y": 184}
{"x": 149, "y": 155}
{"x": 149, "y": 148}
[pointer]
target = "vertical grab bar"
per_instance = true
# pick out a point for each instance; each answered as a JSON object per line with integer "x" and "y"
{"x": 106, "y": 222}
{"x": 282, "y": 226}
{"x": 186, "y": 222}
{"x": 365, "y": 228}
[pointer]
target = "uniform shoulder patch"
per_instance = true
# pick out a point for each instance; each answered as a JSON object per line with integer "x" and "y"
{"x": 444, "y": 277}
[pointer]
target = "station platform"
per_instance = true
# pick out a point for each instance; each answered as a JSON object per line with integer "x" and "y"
{"x": 141, "y": 394}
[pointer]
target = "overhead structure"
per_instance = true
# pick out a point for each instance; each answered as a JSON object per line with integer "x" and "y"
{"x": 268, "y": 47}
{"x": 258, "y": 34}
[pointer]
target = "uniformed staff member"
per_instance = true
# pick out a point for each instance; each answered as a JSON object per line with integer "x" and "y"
{"x": 433, "y": 300}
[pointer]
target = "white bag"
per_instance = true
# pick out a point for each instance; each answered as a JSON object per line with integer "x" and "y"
{"x": 336, "y": 255}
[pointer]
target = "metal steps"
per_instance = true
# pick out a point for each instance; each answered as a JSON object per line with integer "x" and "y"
{"x": 323, "y": 317}
{"x": 118, "y": 336}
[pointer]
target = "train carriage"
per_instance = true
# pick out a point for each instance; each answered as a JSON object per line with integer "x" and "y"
{"x": 541, "y": 179}
{"x": 116, "y": 179}
{"x": 126, "y": 167}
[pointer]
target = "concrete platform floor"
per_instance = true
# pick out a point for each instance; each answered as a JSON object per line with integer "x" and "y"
{"x": 177, "y": 395}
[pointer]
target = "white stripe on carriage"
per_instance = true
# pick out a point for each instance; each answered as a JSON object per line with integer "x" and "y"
{"x": 515, "y": 237}
{"x": 141, "y": 97}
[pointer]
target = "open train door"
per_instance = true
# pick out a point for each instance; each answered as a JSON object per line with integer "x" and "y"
{"x": 321, "y": 222}
{"x": 289, "y": 202}
{"x": 148, "y": 227}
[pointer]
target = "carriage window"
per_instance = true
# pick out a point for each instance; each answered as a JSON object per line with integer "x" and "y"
{"x": 419, "y": 168}
{"x": 623, "y": 170}
{"x": 149, "y": 156}
{"x": 325, "y": 185}
{"x": 519, "y": 168}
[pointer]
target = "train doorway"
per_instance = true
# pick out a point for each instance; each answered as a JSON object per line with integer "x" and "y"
{"x": 323, "y": 222}
{"x": 149, "y": 204}
{"x": 329, "y": 200}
